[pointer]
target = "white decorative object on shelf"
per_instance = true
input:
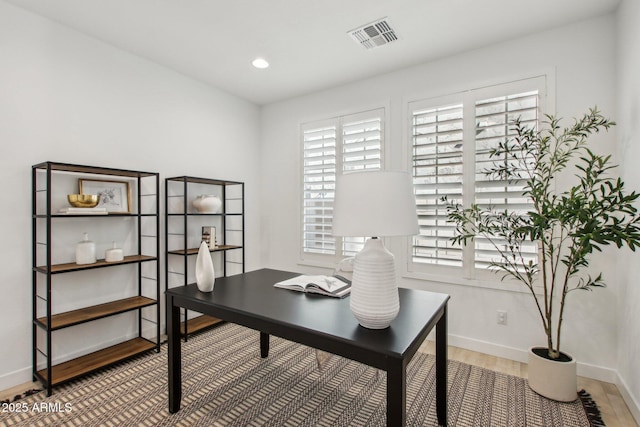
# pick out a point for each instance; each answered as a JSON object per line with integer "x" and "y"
{"x": 83, "y": 211}
{"x": 207, "y": 203}
{"x": 85, "y": 251}
{"x": 114, "y": 254}
{"x": 205, "y": 275}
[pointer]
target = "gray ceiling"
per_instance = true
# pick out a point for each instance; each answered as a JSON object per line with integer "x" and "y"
{"x": 305, "y": 41}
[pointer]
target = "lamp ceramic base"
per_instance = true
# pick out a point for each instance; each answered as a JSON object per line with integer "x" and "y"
{"x": 374, "y": 297}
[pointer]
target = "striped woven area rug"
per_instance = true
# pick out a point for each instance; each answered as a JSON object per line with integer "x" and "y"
{"x": 226, "y": 383}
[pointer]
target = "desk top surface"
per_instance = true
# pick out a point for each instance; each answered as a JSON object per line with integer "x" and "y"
{"x": 252, "y": 295}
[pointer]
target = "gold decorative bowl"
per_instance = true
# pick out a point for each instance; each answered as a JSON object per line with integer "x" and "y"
{"x": 83, "y": 200}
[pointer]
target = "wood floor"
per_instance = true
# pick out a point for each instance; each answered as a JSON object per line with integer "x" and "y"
{"x": 614, "y": 411}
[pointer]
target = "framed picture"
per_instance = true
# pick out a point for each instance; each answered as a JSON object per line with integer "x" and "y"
{"x": 115, "y": 196}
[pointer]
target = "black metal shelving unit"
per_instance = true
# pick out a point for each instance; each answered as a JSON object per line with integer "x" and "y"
{"x": 46, "y": 317}
{"x": 183, "y": 236}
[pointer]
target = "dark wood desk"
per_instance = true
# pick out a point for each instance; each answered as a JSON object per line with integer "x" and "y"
{"x": 320, "y": 322}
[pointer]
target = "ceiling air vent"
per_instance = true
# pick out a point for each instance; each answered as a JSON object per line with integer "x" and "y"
{"x": 375, "y": 34}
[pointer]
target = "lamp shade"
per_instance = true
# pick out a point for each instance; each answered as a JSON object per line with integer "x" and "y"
{"x": 374, "y": 203}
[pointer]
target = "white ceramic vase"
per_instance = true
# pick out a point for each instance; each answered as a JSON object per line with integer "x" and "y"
{"x": 113, "y": 254}
{"x": 85, "y": 251}
{"x": 553, "y": 379}
{"x": 207, "y": 203}
{"x": 205, "y": 275}
{"x": 374, "y": 297}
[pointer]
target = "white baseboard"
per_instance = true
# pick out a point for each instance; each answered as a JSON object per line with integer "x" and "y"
{"x": 485, "y": 347}
{"x": 599, "y": 373}
{"x": 584, "y": 369}
{"x": 15, "y": 378}
{"x": 629, "y": 399}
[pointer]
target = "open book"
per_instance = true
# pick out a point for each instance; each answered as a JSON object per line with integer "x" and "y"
{"x": 333, "y": 286}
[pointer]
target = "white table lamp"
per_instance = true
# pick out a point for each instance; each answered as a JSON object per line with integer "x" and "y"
{"x": 374, "y": 204}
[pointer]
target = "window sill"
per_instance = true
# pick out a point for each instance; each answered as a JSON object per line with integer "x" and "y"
{"x": 331, "y": 265}
{"x": 486, "y": 283}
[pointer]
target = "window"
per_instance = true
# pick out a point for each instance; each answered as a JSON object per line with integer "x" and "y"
{"x": 437, "y": 172}
{"x": 493, "y": 124}
{"x": 451, "y": 138}
{"x": 347, "y": 143}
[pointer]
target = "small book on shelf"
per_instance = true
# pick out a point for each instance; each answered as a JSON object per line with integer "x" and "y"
{"x": 332, "y": 286}
{"x": 209, "y": 236}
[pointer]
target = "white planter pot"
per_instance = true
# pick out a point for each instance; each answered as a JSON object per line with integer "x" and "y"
{"x": 553, "y": 379}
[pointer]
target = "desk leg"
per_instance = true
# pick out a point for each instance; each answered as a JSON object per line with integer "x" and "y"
{"x": 264, "y": 345}
{"x": 396, "y": 393}
{"x": 174, "y": 355}
{"x": 441, "y": 368}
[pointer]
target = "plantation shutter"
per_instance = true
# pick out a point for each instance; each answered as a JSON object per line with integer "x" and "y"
{"x": 361, "y": 150}
{"x": 344, "y": 144}
{"x": 361, "y": 144}
{"x": 437, "y": 135}
{"x": 319, "y": 177}
{"x": 494, "y": 124}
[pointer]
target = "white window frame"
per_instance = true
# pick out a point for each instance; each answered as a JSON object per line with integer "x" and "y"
{"x": 467, "y": 274}
{"x": 331, "y": 259}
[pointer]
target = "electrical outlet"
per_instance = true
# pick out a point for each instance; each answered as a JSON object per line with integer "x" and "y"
{"x": 502, "y": 317}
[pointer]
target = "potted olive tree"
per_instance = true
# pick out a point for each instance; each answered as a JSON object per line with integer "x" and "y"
{"x": 568, "y": 224}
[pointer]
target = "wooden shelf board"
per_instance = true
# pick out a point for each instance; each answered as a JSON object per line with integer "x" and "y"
{"x": 203, "y": 180}
{"x": 66, "y": 167}
{"x": 70, "y": 318}
{"x": 96, "y": 360}
{"x": 110, "y": 214}
{"x": 72, "y": 266}
{"x": 194, "y": 251}
{"x": 204, "y": 214}
{"x": 199, "y": 323}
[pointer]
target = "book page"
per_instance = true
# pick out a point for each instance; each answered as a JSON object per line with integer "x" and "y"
{"x": 314, "y": 283}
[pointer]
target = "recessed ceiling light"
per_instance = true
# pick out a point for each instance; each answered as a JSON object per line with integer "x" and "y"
{"x": 260, "y": 63}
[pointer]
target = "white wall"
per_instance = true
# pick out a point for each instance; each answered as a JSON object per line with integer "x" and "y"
{"x": 581, "y": 60}
{"x": 69, "y": 98}
{"x": 628, "y": 115}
